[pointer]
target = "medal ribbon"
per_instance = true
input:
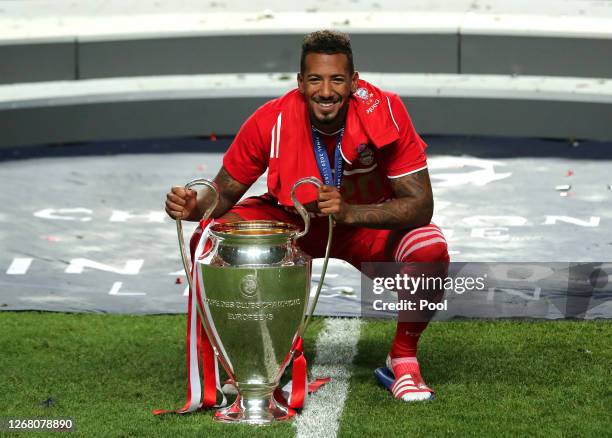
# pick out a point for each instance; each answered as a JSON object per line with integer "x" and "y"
{"x": 322, "y": 159}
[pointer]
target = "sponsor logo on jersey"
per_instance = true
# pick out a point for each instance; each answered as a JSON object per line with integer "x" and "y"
{"x": 371, "y": 109}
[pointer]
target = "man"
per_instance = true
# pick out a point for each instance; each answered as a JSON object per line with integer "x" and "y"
{"x": 379, "y": 192}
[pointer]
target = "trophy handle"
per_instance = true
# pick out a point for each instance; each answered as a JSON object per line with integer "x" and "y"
{"x": 298, "y": 205}
{"x": 187, "y": 266}
{"x": 300, "y": 208}
{"x": 179, "y": 225}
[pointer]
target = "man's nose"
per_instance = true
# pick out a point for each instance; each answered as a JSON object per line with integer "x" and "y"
{"x": 326, "y": 90}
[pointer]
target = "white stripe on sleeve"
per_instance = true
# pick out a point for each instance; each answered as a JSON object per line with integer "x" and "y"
{"x": 391, "y": 112}
{"x": 272, "y": 142}
{"x": 407, "y": 173}
{"x": 278, "y": 132}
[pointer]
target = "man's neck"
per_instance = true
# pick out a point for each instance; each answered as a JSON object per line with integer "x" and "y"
{"x": 328, "y": 133}
{"x": 331, "y": 129}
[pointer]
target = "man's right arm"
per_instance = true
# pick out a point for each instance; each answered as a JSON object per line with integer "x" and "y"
{"x": 189, "y": 205}
{"x": 244, "y": 162}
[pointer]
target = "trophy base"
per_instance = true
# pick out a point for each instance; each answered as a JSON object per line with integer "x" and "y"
{"x": 260, "y": 411}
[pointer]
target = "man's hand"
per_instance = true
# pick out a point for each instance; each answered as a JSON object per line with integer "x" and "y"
{"x": 190, "y": 205}
{"x": 411, "y": 207}
{"x": 330, "y": 202}
{"x": 181, "y": 203}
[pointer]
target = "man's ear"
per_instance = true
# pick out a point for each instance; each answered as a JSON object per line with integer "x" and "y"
{"x": 354, "y": 81}
{"x": 300, "y": 81}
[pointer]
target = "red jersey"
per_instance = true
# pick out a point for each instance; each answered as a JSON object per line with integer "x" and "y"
{"x": 365, "y": 179}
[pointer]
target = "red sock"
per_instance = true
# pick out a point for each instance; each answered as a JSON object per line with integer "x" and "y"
{"x": 407, "y": 336}
{"x": 426, "y": 249}
{"x": 409, "y": 385}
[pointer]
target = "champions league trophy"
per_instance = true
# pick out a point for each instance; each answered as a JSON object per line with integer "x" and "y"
{"x": 254, "y": 283}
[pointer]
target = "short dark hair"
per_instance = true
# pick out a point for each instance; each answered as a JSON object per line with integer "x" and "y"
{"x": 329, "y": 42}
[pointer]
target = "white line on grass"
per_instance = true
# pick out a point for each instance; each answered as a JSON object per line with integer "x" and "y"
{"x": 336, "y": 348}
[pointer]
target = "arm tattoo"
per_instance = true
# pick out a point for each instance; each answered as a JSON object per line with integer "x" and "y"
{"x": 230, "y": 192}
{"x": 411, "y": 207}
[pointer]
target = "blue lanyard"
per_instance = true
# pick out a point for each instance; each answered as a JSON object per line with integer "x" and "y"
{"x": 323, "y": 160}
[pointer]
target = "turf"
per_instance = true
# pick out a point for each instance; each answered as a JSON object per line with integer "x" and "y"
{"x": 504, "y": 378}
{"x": 108, "y": 372}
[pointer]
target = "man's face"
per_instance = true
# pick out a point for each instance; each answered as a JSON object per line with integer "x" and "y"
{"x": 327, "y": 84}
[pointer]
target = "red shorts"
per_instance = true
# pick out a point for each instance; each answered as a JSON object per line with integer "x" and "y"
{"x": 356, "y": 245}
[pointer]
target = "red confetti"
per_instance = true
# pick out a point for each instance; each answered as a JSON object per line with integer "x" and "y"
{"x": 213, "y": 137}
{"x": 570, "y": 172}
{"x": 52, "y": 239}
{"x": 178, "y": 280}
{"x": 202, "y": 167}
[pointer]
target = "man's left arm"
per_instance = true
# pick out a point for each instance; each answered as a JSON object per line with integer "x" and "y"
{"x": 411, "y": 207}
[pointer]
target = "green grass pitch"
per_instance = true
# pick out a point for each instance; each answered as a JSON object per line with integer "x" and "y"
{"x": 502, "y": 378}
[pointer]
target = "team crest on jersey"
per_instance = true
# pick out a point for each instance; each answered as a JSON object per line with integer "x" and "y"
{"x": 366, "y": 156}
{"x": 367, "y": 98}
{"x": 362, "y": 93}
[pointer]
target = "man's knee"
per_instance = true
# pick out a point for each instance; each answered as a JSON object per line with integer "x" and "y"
{"x": 434, "y": 253}
{"x": 424, "y": 245}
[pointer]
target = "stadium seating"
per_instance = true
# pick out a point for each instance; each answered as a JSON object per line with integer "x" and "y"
{"x": 79, "y": 71}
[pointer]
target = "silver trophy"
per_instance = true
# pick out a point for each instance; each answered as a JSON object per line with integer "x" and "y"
{"x": 254, "y": 284}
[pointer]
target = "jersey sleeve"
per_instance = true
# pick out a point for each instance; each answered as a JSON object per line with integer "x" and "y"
{"x": 407, "y": 154}
{"x": 247, "y": 157}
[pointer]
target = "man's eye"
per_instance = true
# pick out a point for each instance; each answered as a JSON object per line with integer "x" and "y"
{"x": 338, "y": 80}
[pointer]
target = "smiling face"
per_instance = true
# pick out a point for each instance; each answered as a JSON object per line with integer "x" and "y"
{"x": 327, "y": 83}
